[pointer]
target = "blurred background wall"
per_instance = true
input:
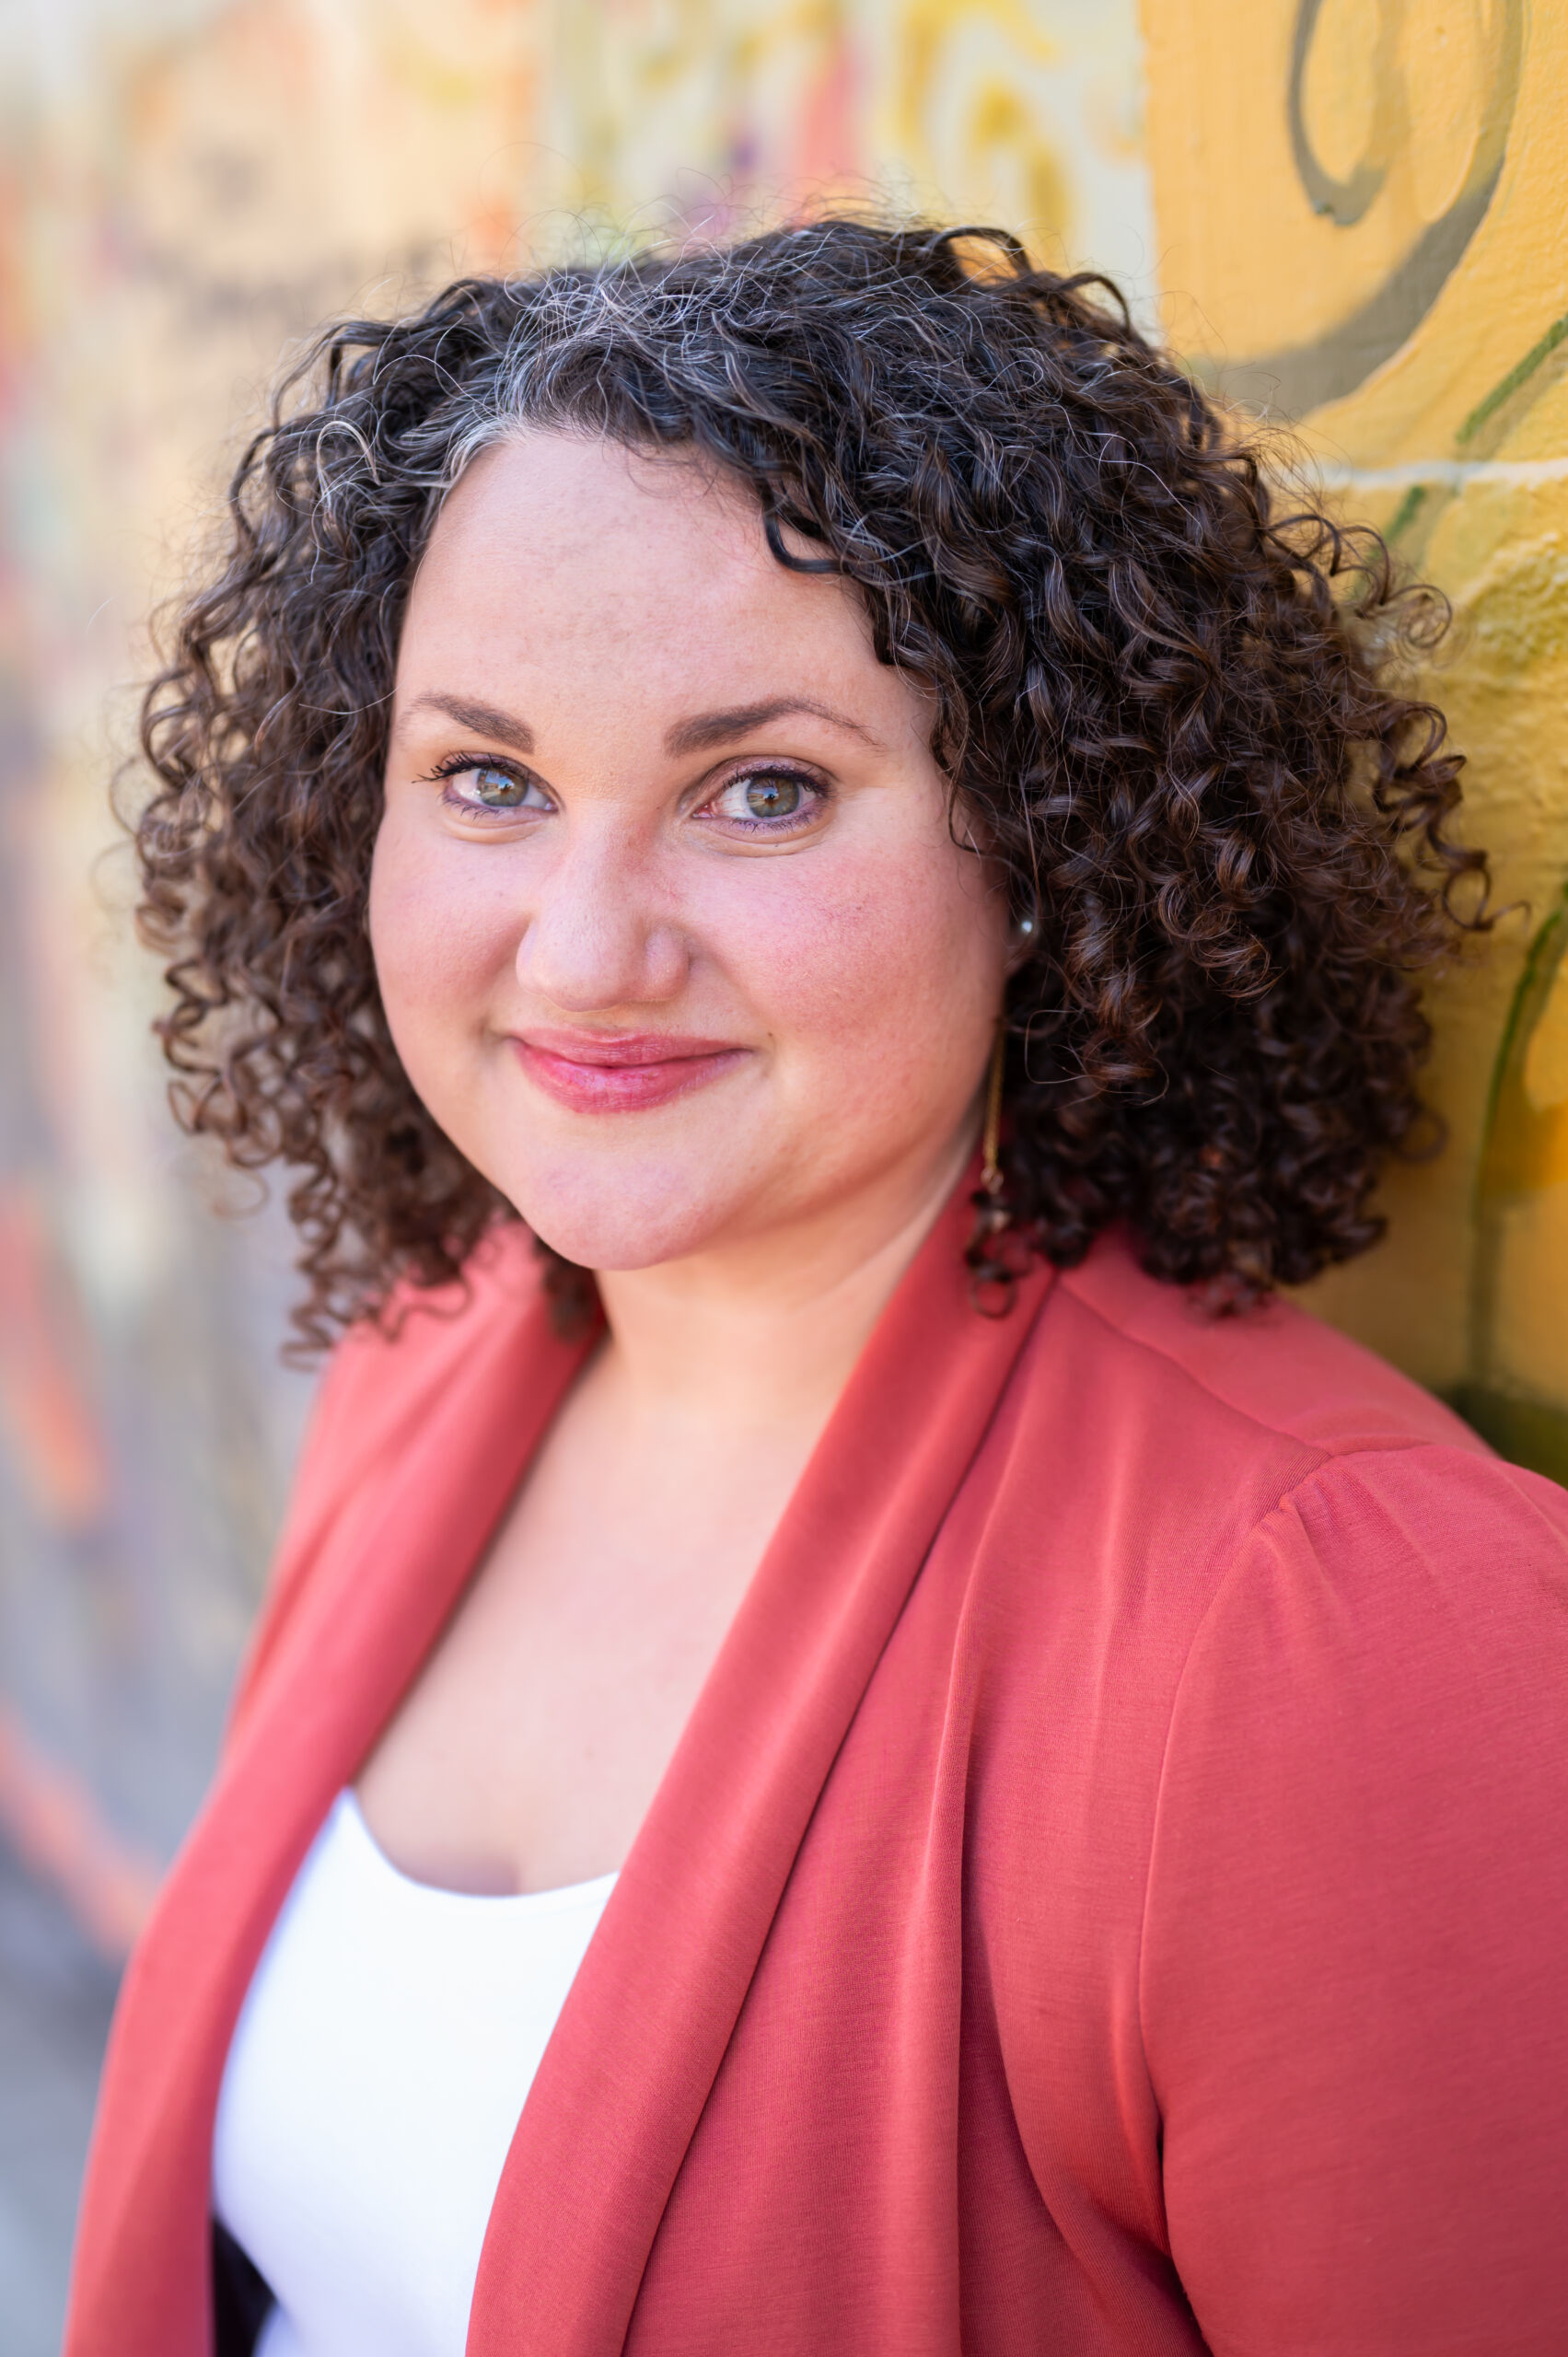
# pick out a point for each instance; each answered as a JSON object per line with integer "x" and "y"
{"x": 1347, "y": 213}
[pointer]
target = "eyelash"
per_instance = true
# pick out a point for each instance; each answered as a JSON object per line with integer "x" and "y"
{"x": 794, "y": 821}
{"x": 461, "y": 764}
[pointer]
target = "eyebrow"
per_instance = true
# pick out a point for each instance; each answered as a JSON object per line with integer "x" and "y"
{"x": 698, "y": 735}
{"x": 484, "y": 719}
{"x": 706, "y": 729}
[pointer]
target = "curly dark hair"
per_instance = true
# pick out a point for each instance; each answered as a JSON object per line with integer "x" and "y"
{"x": 1174, "y": 713}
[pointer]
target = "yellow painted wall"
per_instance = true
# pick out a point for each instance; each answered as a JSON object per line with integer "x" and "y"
{"x": 1351, "y": 211}
{"x": 1361, "y": 210}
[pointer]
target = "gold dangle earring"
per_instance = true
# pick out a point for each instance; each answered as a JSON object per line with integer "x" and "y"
{"x": 991, "y": 1178}
{"x": 994, "y": 1269}
{"x": 992, "y": 1280}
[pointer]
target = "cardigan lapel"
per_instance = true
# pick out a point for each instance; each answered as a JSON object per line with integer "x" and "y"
{"x": 623, "y": 2082}
{"x": 644, "y": 2031}
{"x": 372, "y": 1606}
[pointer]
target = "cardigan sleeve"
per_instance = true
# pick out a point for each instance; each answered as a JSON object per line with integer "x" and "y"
{"x": 1353, "y": 1982}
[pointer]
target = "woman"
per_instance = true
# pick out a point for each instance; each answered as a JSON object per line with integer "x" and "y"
{"x": 992, "y": 1786}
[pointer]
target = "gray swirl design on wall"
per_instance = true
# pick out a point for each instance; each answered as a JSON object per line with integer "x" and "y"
{"x": 1302, "y": 377}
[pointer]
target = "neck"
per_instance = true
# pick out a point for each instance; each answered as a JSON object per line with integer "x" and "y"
{"x": 765, "y": 1337}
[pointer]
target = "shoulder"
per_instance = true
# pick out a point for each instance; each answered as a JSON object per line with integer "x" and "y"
{"x": 1270, "y": 1543}
{"x": 1368, "y": 1464}
{"x": 1276, "y": 1367}
{"x": 1186, "y": 1476}
{"x": 1409, "y": 1605}
{"x": 1370, "y": 1701}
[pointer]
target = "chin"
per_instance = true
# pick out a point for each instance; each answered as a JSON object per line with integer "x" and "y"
{"x": 622, "y": 1220}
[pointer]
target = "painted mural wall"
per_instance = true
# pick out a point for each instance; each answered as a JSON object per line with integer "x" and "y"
{"x": 1346, "y": 211}
{"x": 1361, "y": 210}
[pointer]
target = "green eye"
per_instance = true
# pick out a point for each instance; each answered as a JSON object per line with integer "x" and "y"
{"x": 768, "y": 804}
{"x": 498, "y": 790}
{"x": 772, "y": 797}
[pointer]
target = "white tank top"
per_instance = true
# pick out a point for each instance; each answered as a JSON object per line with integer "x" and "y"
{"x": 375, "y": 2078}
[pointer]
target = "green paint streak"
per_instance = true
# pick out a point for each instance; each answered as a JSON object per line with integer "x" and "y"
{"x": 1540, "y": 965}
{"x": 1510, "y": 383}
{"x": 1408, "y": 508}
{"x": 1527, "y": 1432}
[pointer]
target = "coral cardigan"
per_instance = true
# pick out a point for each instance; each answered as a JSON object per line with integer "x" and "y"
{"x": 1111, "y": 1895}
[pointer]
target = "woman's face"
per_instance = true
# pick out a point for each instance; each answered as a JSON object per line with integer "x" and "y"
{"x": 671, "y": 933}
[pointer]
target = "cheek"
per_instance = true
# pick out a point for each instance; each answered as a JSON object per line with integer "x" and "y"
{"x": 437, "y": 936}
{"x": 881, "y": 978}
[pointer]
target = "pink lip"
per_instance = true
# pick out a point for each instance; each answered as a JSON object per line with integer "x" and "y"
{"x": 597, "y": 1073}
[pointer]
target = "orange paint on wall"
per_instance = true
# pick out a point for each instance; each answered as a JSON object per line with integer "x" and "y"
{"x": 56, "y": 1828}
{"x": 46, "y": 1415}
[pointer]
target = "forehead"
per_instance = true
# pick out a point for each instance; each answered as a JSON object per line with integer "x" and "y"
{"x": 556, "y": 544}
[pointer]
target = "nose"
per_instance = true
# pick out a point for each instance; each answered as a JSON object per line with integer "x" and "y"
{"x": 595, "y": 937}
